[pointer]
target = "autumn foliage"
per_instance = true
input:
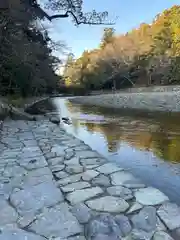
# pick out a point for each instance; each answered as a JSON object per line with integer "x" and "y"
{"x": 146, "y": 56}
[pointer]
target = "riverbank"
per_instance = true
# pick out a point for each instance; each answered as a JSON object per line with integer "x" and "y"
{"x": 54, "y": 185}
{"x": 151, "y": 101}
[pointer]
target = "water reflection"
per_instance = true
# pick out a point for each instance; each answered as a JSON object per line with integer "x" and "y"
{"x": 159, "y": 134}
{"x": 148, "y": 145}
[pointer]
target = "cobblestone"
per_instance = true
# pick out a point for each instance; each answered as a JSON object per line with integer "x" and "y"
{"x": 53, "y": 186}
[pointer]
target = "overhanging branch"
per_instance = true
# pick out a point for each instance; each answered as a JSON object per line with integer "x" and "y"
{"x": 83, "y": 20}
{"x": 89, "y": 18}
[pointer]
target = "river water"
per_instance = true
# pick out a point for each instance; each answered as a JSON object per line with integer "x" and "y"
{"x": 148, "y": 145}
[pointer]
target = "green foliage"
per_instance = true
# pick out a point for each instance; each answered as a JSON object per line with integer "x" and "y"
{"x": 144, "y": 56}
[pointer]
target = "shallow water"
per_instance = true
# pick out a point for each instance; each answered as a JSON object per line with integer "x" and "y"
{"x": 148, "y": 144}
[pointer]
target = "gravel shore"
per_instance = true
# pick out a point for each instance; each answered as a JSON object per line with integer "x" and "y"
{"x": 151, "y": 101}
{"x": 54, "y": 186}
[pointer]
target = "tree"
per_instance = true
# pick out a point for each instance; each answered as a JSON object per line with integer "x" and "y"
{"x": 70, "y": 8}
{"x": 108, "y": 37}
{"x": 27, "y": 64}
{"x": 147, "y": 55}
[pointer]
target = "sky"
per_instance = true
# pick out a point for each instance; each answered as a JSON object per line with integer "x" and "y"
{"x": 130, "y": 13}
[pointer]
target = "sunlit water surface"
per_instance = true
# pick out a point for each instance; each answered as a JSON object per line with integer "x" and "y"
{"x": 147, "y": 145}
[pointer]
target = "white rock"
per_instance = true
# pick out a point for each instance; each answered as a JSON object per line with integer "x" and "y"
{"x": 150, "y": 196}
{"x": 72, "y": 161}
{"x": 169, "y": 213}
{"x": 160, "y": 225}
{"x": 70, "y": 179}
{"x": 33, "y": 198}
{"x": 162, "y": 236}
{"x": 83, "y": 195}
{"x": 7, "y": 213}
{"x": 58, "y": 150}
{"x": 75, "y": 186}
{"x": 89, "y": 175}
{"x": 135, "y": 207}
{"x": 56, "y": 222}
{"x": 121, "y": 192}
{"x": 74, "y": 169}
{"x": 18, "y": 234}
{"x": 91, "y": 166}
{"x": 108, "y": 204}
{"x": 119, "y": 178}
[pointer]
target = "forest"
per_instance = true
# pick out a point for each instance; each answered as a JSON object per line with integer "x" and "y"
{"x": 145, "y": 56}
{"x": 27, "y": 61}
{"x": 148, "y": 55}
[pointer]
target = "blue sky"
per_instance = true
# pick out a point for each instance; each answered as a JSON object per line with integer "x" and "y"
{"x": 131, "y": 14}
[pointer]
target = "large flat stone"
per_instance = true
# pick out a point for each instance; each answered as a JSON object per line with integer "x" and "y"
{"x": 56, "y": 161}
{"x": 145, "y": 220}
{"x": 106, "y": 226}
{"x": 56, "y": 222}
{"x": 124, "y": 224}
{"x": 33, "y": 162}
{"x": 58, "y": 150}
{"x": 169, "y": 213}
{"x": 33, "y": 198}
{"x": 7, "y": 214}
{"x": 134, "y": 184}
{"x": 91, "y": 166}
{"x": 72, "y": 161}
{"x": 108, "y": 168}
{"x": 73, "y": 169}
{"x": 30, "y": 152}
{"x": 70, "y": 179}
{"x": 18, "y": 234}
{"x": 61, "y": 174}
{"x": 89, "y": 175}
{"x": 50, "y": 155}
{"x": 162, "y": 236}
{"x": 83, "y": 195}
{"x": 119, "y": 178}
{"x": 160, "y": 225}
{"x": 108, "y": 204}
{"x": 81, "y": 212}
{"x": 69, "y": 154}
{"x": 13, "y": 171}
{"x": 121, "y": 192}
{"x": 135, "y": 207}
{"x": 75, "y": 186}
{"x": 101, "y": 180}
{"x": 57, "y": 168}
{"x": 37, "y": 176}
{"x": 138, "y": 234}
{"x": 102, "y": 225}
{"x": 150, "y": 196}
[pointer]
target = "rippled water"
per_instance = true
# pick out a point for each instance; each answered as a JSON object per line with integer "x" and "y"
{"x": 148, "y": 144}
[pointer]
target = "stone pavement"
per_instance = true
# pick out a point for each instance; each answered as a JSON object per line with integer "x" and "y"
{"x": 53, "y": 186}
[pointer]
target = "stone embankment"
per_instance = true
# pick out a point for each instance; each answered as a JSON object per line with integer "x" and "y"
{"x": 158, "y": 100}
{"x": 53, "y": 186}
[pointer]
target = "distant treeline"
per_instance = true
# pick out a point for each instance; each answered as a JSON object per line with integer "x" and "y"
{"x": 149, "y": 55}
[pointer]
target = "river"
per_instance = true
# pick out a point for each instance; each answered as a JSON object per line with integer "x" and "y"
{"x": 148, "y": 145}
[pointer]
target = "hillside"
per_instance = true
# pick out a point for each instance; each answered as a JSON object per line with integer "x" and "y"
{"x": 148, "y": 55}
